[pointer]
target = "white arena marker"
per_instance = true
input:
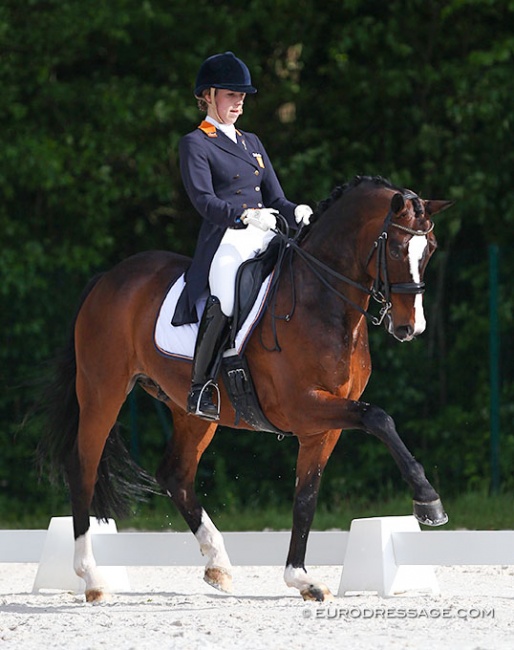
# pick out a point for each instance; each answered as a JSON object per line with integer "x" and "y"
{"x": 55, "y": 571}
{"x": 370, "y": 562}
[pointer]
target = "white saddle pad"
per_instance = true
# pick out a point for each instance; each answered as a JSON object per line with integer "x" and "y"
{"x": 180, "y": 341}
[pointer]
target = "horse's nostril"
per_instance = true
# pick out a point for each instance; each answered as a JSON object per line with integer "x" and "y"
{"x": 404, "y": 332}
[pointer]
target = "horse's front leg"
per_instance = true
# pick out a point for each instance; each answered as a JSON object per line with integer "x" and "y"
{"x": 428, "y": 508}
{"x": 176, "y": 475}
{"x": 333, "y": 412}
{"x": 313, "y": 455}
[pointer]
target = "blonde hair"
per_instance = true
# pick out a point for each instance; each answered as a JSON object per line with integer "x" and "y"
{"x": 202, "y": 104}
{"x": 200, "y": 99}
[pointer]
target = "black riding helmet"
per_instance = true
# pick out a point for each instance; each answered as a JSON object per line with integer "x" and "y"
{"x": 224, "y": 71}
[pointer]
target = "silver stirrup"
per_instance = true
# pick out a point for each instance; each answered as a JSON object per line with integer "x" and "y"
{"x": 211, "y": 382}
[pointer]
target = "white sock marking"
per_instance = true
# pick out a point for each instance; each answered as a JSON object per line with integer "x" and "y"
{"x": 84, "y": 563}
{"x": 212, "y": 545}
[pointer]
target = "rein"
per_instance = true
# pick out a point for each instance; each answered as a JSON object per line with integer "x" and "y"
{"x": 381, "y": 288}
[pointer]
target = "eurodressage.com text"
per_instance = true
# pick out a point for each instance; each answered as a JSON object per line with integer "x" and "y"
{"x": 355, "y": 613}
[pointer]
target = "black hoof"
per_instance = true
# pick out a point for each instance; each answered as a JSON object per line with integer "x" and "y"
{"x": 430, "y": 514}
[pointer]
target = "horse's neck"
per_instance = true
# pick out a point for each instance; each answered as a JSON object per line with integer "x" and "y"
{"x": 342, "y": 244}
{"x": 337, "y": 243}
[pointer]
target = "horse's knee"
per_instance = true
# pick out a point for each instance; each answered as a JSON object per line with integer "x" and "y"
{"x": 377, "y": 422}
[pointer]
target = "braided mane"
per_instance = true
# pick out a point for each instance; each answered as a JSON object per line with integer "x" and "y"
{"x": 341, "y": 189}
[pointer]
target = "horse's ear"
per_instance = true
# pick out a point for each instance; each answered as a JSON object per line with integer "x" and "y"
{"x": 433, "y": 207}
{"x": 397, "y": 203}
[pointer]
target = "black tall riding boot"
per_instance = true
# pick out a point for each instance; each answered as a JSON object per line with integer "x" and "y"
{"x": 211, "y": 335}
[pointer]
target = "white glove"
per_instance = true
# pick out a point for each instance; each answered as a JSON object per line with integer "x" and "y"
{"x": 303, "y": 214}
{"x": 263, "y": 218}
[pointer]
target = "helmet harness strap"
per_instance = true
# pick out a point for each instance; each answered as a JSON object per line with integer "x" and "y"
{"x": 212, "y": 94}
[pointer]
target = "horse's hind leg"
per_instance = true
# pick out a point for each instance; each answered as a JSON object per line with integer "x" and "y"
{"x": 176, "y": 474}
{"x": 95, "y": 423}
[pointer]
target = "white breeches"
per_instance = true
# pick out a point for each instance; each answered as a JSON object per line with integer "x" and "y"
{"x": 236, "y": 247}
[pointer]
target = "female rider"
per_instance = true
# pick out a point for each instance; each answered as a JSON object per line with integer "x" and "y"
{"x": 230, "y": 181}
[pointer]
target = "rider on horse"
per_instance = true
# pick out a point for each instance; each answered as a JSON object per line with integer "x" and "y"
{"x": 231, "y": 182}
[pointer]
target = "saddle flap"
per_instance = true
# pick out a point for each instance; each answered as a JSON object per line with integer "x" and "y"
{"x": 241, "y": 390}
{"x": 249, "y": 279}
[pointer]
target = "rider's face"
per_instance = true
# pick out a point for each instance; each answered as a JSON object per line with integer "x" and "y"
{"x": 229, "y": 105}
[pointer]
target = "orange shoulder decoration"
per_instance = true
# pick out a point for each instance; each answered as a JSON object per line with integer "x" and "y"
{"x": 209, "y": 129}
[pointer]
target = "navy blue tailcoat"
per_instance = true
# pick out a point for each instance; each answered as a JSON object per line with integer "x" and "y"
{"x": 222, "y": 179}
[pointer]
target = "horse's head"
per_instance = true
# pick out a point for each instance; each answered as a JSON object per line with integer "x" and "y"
{"x": 399, "y": 259}
{"x": 374, "y": 239}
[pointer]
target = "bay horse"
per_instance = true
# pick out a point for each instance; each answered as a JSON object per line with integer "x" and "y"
{"x": 369, "y": 239}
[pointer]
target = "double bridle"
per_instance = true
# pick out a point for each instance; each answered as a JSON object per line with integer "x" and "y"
{"x": 381, "y": 288}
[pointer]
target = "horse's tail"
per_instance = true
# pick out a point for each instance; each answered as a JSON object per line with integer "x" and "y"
{"x": 119, "y": 480}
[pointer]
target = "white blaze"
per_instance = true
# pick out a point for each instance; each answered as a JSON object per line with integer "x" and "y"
{"x": 417, "y": 247}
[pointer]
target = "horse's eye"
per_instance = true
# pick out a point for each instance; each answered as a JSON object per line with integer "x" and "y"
{"x": 395, "y": 251}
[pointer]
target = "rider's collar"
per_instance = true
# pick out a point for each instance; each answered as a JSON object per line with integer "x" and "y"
{"x": 228, "y": 129}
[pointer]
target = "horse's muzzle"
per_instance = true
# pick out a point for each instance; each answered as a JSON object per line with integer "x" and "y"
{"x": 401, "y": 333}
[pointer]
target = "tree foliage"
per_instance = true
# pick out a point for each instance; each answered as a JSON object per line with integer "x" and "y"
{"x": 95, "y": 97}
